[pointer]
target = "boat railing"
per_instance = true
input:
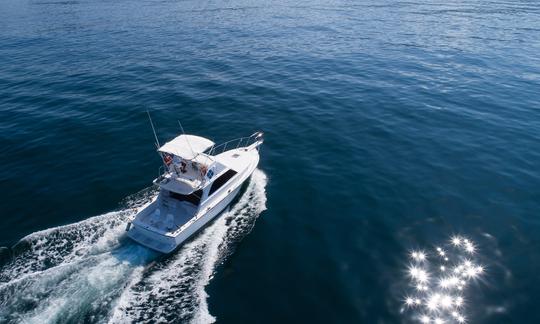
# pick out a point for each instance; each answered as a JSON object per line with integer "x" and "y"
{"x": 161, "y": 173}
{"x": 235, "y": 143}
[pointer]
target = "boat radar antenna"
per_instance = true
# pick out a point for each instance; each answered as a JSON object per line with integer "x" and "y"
{"x": 153, "y": 129}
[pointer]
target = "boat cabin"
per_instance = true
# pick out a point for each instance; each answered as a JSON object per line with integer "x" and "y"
{"x": 196, "y": 182}
{"x": 191, "y": 177}
{"x": 192, "y": 174}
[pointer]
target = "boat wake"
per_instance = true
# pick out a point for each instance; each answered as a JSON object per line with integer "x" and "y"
{"x": 90, "y": 272}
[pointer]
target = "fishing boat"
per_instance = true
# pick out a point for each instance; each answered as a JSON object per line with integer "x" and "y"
{"x": 198, "y": 181}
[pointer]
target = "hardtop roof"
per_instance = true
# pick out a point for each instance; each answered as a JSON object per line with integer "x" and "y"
{"x": 186, "y": 146}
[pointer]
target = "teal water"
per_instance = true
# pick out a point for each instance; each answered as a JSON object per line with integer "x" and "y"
{"x": 390, "y": 126}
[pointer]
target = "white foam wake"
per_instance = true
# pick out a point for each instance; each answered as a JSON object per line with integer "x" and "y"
{"x": 65, "y": 273}
{"x": 174, "y": 290}
{"x": 90, "y": 272}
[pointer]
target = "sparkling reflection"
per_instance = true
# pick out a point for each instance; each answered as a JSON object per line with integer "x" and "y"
{"x": 438, "y": 281}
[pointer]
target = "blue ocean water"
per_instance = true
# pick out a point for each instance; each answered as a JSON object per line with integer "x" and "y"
{"x": 390, "y": 126}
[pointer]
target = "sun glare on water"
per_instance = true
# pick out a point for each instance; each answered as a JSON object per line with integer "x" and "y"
{"x": 438, "y": 281}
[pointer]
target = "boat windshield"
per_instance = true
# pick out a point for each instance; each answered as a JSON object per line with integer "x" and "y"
{"x": 193, "y": 198}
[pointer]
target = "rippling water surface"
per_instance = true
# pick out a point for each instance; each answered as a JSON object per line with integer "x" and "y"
{"x": 390, "y": 126}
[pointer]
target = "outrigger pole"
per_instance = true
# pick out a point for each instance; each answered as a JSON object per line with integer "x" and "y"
{"x": 182, "y": 128}
{"x": 153, "y": 129}
{"x": 157, "y": 141}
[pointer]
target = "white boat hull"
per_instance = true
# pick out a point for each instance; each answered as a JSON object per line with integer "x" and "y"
{"x": 166, "y": 243}
{"x": 206, "y": 218}
{"x": 144, "y": 234}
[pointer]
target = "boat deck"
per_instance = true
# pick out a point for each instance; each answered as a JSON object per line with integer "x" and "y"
{"x": 169, "y": 214}
{"x": 236, "y": 159}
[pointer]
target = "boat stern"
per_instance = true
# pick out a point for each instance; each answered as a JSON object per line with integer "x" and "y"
{"x": 150, "y": 239}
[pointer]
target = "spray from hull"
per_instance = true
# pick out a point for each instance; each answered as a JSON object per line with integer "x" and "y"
{"x": 90, "y": 272}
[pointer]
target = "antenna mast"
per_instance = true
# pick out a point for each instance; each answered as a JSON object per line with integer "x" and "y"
{"x": 153, "y": 129}
{"x": 182, "y": 128}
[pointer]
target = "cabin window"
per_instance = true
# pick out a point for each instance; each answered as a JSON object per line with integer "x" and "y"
{"x": 221, "y": 181}
{"x": 194, "y": 197}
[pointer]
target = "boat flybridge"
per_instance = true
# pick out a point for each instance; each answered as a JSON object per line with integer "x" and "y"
{"x": 197, "y": 181}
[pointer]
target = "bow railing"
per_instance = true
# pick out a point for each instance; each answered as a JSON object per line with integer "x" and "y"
{"x": 236, "y": 143}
